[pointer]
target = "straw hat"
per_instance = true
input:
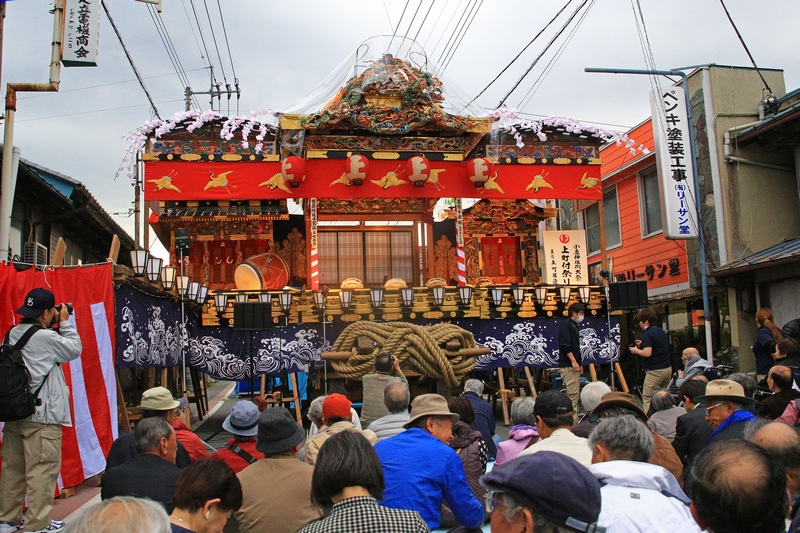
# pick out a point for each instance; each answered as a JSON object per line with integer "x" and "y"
{"x": 724, "y": 390}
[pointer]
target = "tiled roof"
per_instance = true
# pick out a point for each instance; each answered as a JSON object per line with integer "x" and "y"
{"x": 785, "y": 252}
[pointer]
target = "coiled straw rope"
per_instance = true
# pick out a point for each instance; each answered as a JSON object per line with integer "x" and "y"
{"x": 418, "y": 348}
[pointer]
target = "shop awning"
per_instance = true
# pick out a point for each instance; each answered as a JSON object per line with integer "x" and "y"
{"x": 784, "y": 252}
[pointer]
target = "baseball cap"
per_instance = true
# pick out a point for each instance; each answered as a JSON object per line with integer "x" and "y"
{"x": 336, "y": 405}
{"x": 550, "y": 404}
{"x": 37, "y": 302}
{"x": 552, "y": 485}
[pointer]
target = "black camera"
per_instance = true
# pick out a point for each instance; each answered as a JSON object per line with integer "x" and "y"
{"x": 69, "y": 308}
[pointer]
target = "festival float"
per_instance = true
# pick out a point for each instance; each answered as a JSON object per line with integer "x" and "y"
{"x": 377, "y": 152}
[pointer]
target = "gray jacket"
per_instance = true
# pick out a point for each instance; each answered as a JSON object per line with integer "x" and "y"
{"x": 43, "y": 354}
{"x": 373, "y": 385}
{"x": 389, "y": 425}
{"x": 693, "y": 368}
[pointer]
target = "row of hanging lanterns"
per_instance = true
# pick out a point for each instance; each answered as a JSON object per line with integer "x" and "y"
{"x": 145, "y": 264}
{"x": 418, "y": 170}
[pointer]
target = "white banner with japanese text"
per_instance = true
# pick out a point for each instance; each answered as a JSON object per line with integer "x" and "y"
{"x": 674, "y": 162}
{"x": 565, "y": 257}
{"x": 81, "y": 33}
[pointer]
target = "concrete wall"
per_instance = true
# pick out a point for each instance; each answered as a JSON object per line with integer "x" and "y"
{"x": 759, "y": 207}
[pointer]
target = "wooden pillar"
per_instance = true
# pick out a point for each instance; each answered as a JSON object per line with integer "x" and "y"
{"x": 621, "y": 377}
{"x": 592, "y": 372}
{"x": 263, "y": 388}
{"x": 296, "y": 398}
{"x": 61, "y": 250}
{"x": 530, "y": 382}
{"x": 503, "y": 395}
{"x": 123, "y": 411}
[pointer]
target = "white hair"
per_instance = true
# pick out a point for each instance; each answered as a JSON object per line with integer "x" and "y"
{"x": 592, "y": 394}
{"x": 121, "y": 514}
{"x": 474, "y": 385}
{"x": 315, "y": 409}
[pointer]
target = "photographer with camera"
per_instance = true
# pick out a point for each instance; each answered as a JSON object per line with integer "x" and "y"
{"x": 32, "y": 446}
{"x": 387, "y": 370}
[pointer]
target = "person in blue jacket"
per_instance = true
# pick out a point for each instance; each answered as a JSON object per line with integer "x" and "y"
{"x": 421, "y": 470}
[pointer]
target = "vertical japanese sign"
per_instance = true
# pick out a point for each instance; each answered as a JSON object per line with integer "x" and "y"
{"x": 674, "y": 162}
{"x": 314, "y": 251}
{"x": 565, "y": 257}
{"x": 81, "y": 33}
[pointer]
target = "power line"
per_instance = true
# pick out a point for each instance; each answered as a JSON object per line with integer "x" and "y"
{"x": 741, "y": 40}
{"x": 96, "y": 111}
{"x": 456, "y": 30}
{"x": 444, "y": 8}
{"x": 579, "y": 120}
{"x": 547, "y": 47}
{"x": 553, "y": 60}
{"x": 191, "y": 27}
{"x": 214, "y": 38}
{"x": 403, "y": 14}
{"x": 466, "y": 29}
{"x": 203, "y": 40}
{"x": 169, "y": 46}
{"x": 413, "y": 18}
{"x": 443, "y": 32}
{"x": 521, "y": 51}
{"x": 423, "y": 20}
{"x": 130, "y": 59}
{"x": 227, "y": 43}
{"x": 99, "y": 86}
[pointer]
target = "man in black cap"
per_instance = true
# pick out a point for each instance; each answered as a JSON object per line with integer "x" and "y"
{"x": 32, "y": 446}
{"x": 284, "y": 505}
{"x": 546, "y": 491}
{"x": 554, "y": 418}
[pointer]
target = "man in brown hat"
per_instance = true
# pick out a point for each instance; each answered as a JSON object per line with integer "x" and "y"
{"x": 421, "y": 470}
{"x": 726, "y": 411}
{"x": 288, "y": 507}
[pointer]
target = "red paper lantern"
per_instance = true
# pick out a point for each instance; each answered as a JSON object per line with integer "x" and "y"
{"x": 478, "y": 171}
{"x": 293, "y": 170}
{"x": 356, "y": 167}
{"x": 418, "y": 169}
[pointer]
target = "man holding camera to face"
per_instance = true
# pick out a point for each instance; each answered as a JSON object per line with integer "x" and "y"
{"x": 387, "y": 370}
{"x": 32, "y": 446}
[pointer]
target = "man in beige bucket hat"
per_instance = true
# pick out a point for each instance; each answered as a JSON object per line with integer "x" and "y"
{"x": 421, "y": 470}
{"x": 157, "y": 401}
{"x": 725, "y": 401}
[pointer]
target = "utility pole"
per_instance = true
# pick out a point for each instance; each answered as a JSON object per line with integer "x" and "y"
{"x": 215, "y": 91}
{"x": 693, "y": 150}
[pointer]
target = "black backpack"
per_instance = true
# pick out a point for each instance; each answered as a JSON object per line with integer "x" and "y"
{"x": 17, "y": 402}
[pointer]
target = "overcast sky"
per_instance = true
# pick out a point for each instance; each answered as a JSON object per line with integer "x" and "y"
{"x": 282, "y": 50}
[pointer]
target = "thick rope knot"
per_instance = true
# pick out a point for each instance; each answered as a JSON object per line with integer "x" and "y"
{"x": 418, "y": 348}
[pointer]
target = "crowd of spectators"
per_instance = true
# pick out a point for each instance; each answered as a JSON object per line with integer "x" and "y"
{"x": 708, "y": 458}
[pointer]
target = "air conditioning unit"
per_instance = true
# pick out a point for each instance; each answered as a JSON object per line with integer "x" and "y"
{"x": 34, "y": 253}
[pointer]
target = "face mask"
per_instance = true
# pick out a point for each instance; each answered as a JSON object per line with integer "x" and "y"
{"x": 579, "y": 319}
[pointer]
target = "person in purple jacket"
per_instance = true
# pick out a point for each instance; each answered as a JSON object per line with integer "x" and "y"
{"x": 522, "y": 435}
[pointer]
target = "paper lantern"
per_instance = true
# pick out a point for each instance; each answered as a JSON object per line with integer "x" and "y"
{"x": 293, "y": 170}
{"x": 356, "y": 168}
{"x": 418, "y": 168}
{"x": 478, "y": 171}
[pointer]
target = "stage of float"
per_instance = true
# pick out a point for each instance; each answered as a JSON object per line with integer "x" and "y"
{"x": 367, "y": 155}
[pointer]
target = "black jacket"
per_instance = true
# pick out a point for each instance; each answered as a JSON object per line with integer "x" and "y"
{"x": 734, "y": 431}
{"x": 774, "y": 406}
{"x": 691, "y": 433}
{"x": 568, "y": 341}
{"x": 484, "y": 420}
{"x": 145, "y": 476}
{"x": 124, "y": 449}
